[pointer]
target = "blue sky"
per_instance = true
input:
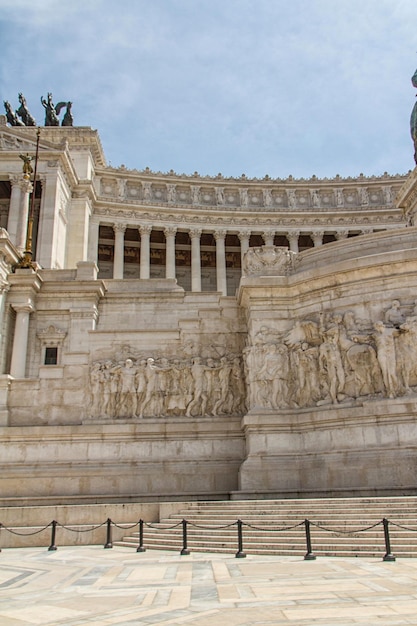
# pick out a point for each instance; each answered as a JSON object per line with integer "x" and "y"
{"x": 277, "y": 87}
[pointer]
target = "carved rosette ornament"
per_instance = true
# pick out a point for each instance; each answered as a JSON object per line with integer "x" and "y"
{"x": 268, "y": 261}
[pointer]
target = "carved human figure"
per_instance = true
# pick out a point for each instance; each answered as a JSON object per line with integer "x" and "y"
{"x": 147, "y": 191}
{"x": 95, "y": 390}
{"x": 105, "y": 377}
{"x": 292, "y": 200}
{"x": 114, "y": 400}
{"x": 171, "y": 193}
{"x": 200, "y": 397}
{"x": 219, "y": 195}
{"x": 244, "y": 197}
{"x": 330, "y": 363}
{"x": 362, "y": 370}
{"x": 195, "y": 194}
{"x": 315, "y": 198}
{"x": 237, "y": 387}
{"x": 393, "y": 316}
{"x": 222, "y": 405}
{"x": 164, "y": 384}
{"x": 151, "y": 373}
{"x": 128, "y": 398}
{"x": 385, "y": 346}
{"x": 364, "y": 196}
{"x": 340, "y": 201}
{"x": 267, "y": 196}
{"x": 275, "y": 374}
{"x": 140, "y": 382}
{"x": 305, "y": 363}
{"x": 407, "y": 352}
{"x": 384, "y": 339}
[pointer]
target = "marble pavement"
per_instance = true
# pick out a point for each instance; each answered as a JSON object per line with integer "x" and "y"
{"x": 75, "y": 586}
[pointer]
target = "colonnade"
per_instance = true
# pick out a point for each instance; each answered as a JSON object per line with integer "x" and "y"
{"x": 315, "y": 238}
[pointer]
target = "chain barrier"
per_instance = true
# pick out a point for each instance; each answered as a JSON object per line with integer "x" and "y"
{"x": 411, "y": 530}
{"x": 162, "y": 528}
{"x": 346, "y": 532}
{"x": 82, "y": 530}
{"x": 212, "y": 527}
{"x": 278, "y": 530}
{"x": 238, "y": 523}
{"x": 15, "y": 532}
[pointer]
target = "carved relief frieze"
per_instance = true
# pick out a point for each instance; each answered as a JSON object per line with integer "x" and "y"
{"x": 149, "y": 386}
{"x": 333, "y": 358}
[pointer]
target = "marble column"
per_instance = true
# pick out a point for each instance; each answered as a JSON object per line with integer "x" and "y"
{"x": 293, "y": 237}
{"x": 119, "y": 250}
{"x": 244, "y": 237}
{"x": 317, "y": 238}
{"x": 268, "y": 237}
{"x": 145, "y": 251}
{"x": 20, "y": 341}
{"x": 220, "y": 236}
{"x": 14, "y": 207}
{"x": 170, "y": 233}
{"x": 195, "y": 234}
{"x": 27, "y": 188}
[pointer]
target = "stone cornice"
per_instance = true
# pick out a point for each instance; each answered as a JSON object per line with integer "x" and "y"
{"x": 305, "y": 221}
{"x": 135, "y": 194}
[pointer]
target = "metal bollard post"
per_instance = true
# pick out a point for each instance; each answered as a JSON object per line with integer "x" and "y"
{"x": 108, "y": 543}
{"x": 53, "y": 534}
{"x": 388, "y": 556}
{"x": 240, "y": 554}
{"x": 309, "y": 556}
{"x": 140, "y": 547}
{"x": 185, "y": 549}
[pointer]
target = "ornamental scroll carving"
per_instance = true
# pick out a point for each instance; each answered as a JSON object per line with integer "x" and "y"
{"x": 267, "y": 261}
{"x": 157, "y": 387}
{"x": 333, "y": 359}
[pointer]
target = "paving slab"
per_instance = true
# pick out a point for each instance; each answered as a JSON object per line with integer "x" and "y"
{"x": 82, "y": 585}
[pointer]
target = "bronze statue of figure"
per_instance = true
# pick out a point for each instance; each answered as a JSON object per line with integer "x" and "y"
{"x": 11, "y": 115}
{"x": 51, "y": 118}
{"x": 413, "y": 120}
{"x": 23, "y": 112}
{"x": 67, "y": 119}
{"x": 27, "y": 167}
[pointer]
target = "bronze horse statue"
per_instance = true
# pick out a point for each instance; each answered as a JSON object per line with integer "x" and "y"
{"x": 23, "y": 112}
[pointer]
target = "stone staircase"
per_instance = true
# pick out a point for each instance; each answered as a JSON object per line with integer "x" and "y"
{"x": 339, "y": 527}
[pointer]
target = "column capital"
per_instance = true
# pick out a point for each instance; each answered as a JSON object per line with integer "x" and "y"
{"x": 195, "y": 233}
{"x": 342, "y": 234}
{"x": 14, "y": 179}
{"x": 220, "y": 234}
{"x": 268, "y": 237}
{"x": 119, "y": 228}
{"x": 244, "y": 235}
{"x": 25, "y": 185}
{"x": 24, "y": 307}
{"x": 170, "y": 231}
{"x": 293, "y": 234}
{"x": 145, "y": 229}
